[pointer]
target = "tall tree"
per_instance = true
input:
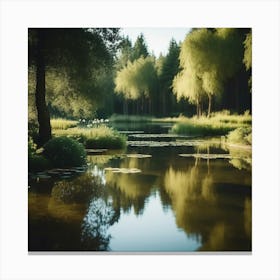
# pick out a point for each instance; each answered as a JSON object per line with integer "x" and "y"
{"x": 140, "y": 48}
{"x": 125, "y": 53}
{"x": 208, "y": 58}
{"x": 137, "y": 79}
{"x": 80, "y": 52}
{"x": 167, "y": 68}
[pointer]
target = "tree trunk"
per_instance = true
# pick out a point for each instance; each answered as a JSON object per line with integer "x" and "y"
{"x": 40, "y": 94}
{"x": 209, "y": 105}
{"x": 163, "y": 105}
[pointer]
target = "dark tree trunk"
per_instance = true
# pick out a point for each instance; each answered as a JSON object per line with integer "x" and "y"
{"x": 209, "y": 106}
{"x": 163, "y": 104}
{"x": 150, "y": 106}
{"x": 40, "y": 94}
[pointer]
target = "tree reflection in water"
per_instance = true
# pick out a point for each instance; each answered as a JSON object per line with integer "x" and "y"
{"x": 208, "y": 209}
{"x": 100, "y": 216}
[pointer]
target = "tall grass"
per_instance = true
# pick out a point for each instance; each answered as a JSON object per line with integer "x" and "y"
{"x": 220, "y": 123}
{"x": 62, "y": 123}
{"x": 101, "y": 137}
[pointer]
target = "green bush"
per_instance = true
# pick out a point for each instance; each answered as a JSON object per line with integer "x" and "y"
{"x": 241, "y": 135}
{"x": 38, "y": 163}
{"x": 65, "y": 152}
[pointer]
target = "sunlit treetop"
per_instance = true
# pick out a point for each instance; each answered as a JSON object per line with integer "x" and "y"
{"x": 137, "y": 78}
{"x": 247, "y": 60}
{"x": 208, "y": 58}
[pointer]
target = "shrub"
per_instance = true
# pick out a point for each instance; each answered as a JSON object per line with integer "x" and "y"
{"x": 64, "y": 152}
{"x": 241, "y": 135}
{"x": 38, "y": 163}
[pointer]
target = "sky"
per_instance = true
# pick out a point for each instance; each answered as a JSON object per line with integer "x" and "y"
{"x": 157, "y": 39}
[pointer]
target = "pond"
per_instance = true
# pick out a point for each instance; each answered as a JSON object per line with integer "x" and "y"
{"x": 164, "y": 193}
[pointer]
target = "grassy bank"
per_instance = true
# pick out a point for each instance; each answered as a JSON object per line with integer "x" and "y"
{"x": 62, "y": 123}
{"x": 220, "y": 123}
{"x": 101, "y": 137}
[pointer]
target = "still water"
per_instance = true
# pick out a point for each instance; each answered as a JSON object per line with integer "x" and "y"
{"x": 164, "y": 193}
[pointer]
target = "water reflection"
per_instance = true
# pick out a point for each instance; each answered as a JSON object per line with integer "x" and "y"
{"x": 75, "y": 216}
{"x": 174, "y": 204}
{"x": 79, "y": 190}
{"x": 100, "y": 215}
{"x": 208, "y": 209}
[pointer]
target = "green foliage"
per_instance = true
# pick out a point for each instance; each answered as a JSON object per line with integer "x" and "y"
{"x": 208, "y": 59}
{"x": 82, "y": 57}
{"x": 125, "y": 53}
{"x": 241, "y": 135}
{"x": 247, "y": 60}
{"x": 137, "y": 79}
{"x": 95, "y": 138}
{"x": 64, "y": 152}
{"x": 201, "y": 129}
{"x": 38, "y": 163}
{"x": 220, "y": 123}
{"x": 31, "y": 146}
{"x": 139, "y": 48}
{"x": 62, "y": 123}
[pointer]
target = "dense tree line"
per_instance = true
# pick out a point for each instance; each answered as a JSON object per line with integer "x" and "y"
{"x": 209, "y": 70}
{"x": 84, "y": 73}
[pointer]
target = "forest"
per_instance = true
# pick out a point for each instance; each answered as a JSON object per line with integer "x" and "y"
{"x": 132, "y": 151}
{"x": 96, "y": 73}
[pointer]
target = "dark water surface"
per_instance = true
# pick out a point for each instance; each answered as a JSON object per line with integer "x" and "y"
{"x": 163, "y": 194}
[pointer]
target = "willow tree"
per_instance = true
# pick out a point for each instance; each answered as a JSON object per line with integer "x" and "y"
{"x": 79, "y": 52}
{"x": 208, "y": 58}
{"x": 137, "y": 80}
{"x": 188, "y": 85}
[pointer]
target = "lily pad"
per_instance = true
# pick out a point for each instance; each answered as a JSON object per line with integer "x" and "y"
{"x": 207, "y": 156}
{"x": 96, "y": 151}
{"x": 138, "y": 156}
{"x": 43, "y": 176}
{"x": 131, "y": 131}
{"x": 163, "y": 143}
{"x": 123, "y": 170}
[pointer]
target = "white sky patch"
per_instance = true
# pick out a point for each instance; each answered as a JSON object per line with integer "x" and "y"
{"x": 157, "y": 38}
